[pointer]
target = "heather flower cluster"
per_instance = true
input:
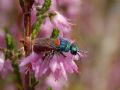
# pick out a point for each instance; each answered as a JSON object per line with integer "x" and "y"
{"x": 58, "y": 65}
{"x": 42, "y": 20}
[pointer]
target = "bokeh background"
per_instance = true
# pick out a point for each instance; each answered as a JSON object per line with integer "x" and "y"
{"x": 96, "y": 30}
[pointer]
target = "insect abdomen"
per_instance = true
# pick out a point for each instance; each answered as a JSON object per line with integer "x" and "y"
{"x": 39, "y": 49}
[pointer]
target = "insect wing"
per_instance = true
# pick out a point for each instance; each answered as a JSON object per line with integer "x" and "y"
{"x": 43, "y": 44}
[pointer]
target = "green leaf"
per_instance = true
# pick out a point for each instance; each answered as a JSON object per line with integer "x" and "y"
{"x": 55, "y": 33}
{"x": 40, "y": 18}
{"x": 33, "y": 82}
{"x": 9, "y": 41}
{"x": 16, "y": 71}
{"x": 45, "y": 7}
{"x": 36, "y": 26}
{"x": 9, "y": 54}
{"x": 49, "y": 88}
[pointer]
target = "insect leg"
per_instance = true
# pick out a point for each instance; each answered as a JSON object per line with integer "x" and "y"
{"x": 45, "y": 56}
{"x": 52, "y": 54}
{"x": 49, "y": 55}
{"x": 62, "y": 54}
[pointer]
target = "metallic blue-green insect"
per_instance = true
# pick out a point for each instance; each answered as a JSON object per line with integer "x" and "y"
{"x": 66, "y": 46}
{"x": 54, "y": 45}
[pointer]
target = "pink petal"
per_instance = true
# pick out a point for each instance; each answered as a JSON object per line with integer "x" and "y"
{"x": 32, "y": 57}
{"x": 53, "y": 64}
{"x": 63, "y": 71}
{"x": 2, "y": 60}
{"x": 57, "y": 73}
{"x": 42, "y": 67}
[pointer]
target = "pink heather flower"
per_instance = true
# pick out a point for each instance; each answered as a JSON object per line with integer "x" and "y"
{"x": 57, "y": 21}
{"x": 55, "y": 85}
{"x": 5, "y": 66}
{"x": 47, "y": 29}
{"x": 33, "y": 57}
{"x": 58, "y": 65}
{"x": 50, "y": 82}
{"x": 53, "y": 6}
{"x": 60, "y": 22}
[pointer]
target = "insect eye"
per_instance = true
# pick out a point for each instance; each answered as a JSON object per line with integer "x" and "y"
{"x": 74, "y": 49}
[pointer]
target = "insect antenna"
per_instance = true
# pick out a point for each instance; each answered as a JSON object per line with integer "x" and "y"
{"x": 81, "y": 53}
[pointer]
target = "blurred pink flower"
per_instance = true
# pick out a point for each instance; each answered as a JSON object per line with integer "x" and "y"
{"x": 9, "y": 86}
{"x": 70, "y": 8}
{"x": 55, "y": 85}
{"x": 5, "y": 66}
{"x": 6, "y": 5}
{"x": 2, "y": 38}
{"x": 114, "y": 76}
{"x": 16, "y": 32}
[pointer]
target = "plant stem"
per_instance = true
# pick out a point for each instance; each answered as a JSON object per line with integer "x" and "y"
{"x": 27, "y": 26}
